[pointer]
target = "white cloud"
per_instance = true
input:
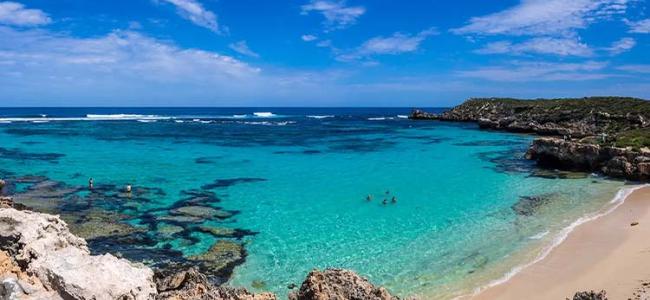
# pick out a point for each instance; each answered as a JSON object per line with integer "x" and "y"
{"x": 241, "y": 47}
{"x": 124, "y": 54}
{"x": 541, "y": 45}
{"x": 539, "y": 71}
{"x": 635, "y": 68}
{"x": 544, "y": 17}
{"x": 396, "y": 44}
{"x": 622, "y": 45}
{"x": 15, "y": 14}
{"x": 642, "y": 26}
{"x": 308, "y": 37}
{"x": 196, "y": 13}
{"x": 337, "y": 14}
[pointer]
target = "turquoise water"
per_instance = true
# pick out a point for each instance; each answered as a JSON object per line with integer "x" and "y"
{"x": 452, "y": 229}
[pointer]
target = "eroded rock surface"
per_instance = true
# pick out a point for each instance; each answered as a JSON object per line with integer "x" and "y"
{"x": 193, "y": 285}
{"x": 612, "y": 161}
{"x": 44, "y": 247}
{"x": 339, "y": 284}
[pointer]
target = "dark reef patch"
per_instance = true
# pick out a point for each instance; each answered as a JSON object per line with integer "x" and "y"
{"x": 207, "y": 159}
{"x": 508, "y": 161}
{"x": 19, "y": 155}
{"x": 223, "y": 183}
{"x": 529, "y": 205}
{"x": 308, "y": 152}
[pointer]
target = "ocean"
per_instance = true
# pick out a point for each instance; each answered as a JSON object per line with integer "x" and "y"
{"x": 425, "y": 208}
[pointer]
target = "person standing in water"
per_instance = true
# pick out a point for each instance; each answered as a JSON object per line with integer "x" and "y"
{"x": 90, "y": 183}
{"x": 394, "y": 200}
{"x": 369, "y": 198}
{"x": 2, "y": 185}
{"x": 384, "y": 202}
{"x": 128, "y": 190}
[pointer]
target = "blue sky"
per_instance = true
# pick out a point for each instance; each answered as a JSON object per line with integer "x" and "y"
{"x": 318, "y": 52}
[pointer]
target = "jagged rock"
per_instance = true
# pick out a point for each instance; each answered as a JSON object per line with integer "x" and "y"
{"x": 612, "y": 161}
{"x": 338, "y": 284}
{"x": 6, "y": 202}
{"x": 591, "y": 295}
{"x": 193, "y": 285}
{"x": 61, "y": 261}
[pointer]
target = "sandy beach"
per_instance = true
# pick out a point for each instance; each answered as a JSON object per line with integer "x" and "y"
{"x": 607, "y": 253}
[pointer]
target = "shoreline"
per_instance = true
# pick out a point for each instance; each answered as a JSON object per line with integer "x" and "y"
{"x": 586, "y": 255}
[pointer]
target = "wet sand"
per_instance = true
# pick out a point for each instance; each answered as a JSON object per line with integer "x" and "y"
{"x": 603, "y": 254}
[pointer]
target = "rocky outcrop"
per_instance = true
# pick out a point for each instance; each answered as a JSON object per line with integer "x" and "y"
{"x": 338, "y": 284}
{"x": 602, "y": 134}
{"x": 191, "y": 284}
{"x": 570, "y": 117}
{"x": 612, "y": 161}
{"x": 44, "y": 249}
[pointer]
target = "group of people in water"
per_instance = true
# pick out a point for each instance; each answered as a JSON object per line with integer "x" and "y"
{"x": 393, "y": 199}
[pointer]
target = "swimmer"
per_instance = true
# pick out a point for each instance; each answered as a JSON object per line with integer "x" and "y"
{"x": 2, "y": 185}
{"x": 384, "y": 202}
{"x": 394, "y": 200}
{"x": 128, "y": 188}
{"x": 90, "y": 183}
{"x": 387, "y": 192}
{"x": 369, "y": 198}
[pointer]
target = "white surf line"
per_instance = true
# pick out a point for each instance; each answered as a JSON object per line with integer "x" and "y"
{"x": 617, "y": 201}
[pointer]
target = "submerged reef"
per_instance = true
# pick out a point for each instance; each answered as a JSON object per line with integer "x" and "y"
{"x": 125, "y": 225}
{"x": 596, "y": 134}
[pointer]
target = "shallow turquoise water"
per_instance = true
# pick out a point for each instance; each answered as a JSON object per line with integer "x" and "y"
{"x": 452, "y": 226}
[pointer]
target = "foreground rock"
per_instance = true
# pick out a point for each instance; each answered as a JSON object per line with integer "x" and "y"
{"x": 591, "y": 295}
{"x": 45, "y": 249}
{"x": 338, "y": 284}
{"x": 193, "y": 285}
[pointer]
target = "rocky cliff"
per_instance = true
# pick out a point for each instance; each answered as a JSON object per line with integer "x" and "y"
{"x": 606, "y": 134}
{"x": 41, "y": 259}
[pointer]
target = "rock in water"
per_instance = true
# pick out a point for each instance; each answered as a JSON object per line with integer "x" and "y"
{"x": 338, "y": 284}
{"x": 61, "y": 261}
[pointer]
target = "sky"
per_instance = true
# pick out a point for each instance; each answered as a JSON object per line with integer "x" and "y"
{"x": 426, "y": 53}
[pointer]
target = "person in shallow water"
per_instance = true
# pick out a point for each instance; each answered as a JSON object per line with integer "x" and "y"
{"x": 128, "y": 190}
{"x": 90, "y": 183}
{"x": 385, "y": 201}
{"x": 3, "y": 183}
{"x": 369, "y": 198}
{"x": 394, "y": 200}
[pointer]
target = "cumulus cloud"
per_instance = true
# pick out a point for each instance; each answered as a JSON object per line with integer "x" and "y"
{"x": 544, "y": 17}
{"x": 642, "y": 26}
{"x": 241, "y": 47}
{"x": 15, "y": 14}
{"x": 622, "y": 45}
{"x": 196, "y": 13}
{"x": 539, "y": 71}
{"x": 308, "y": 37}
{"x": 542, "y": 45}
{"x": 337, "y": 14}
{"x": 397, "y": 43}
{"x": 119, "y": 54}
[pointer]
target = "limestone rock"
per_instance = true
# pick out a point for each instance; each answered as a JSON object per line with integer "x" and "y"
{"x": 61, "y": 261}
{"x": 338, "y": 284}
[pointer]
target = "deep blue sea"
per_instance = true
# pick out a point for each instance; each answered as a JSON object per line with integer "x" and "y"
{"x": 467, "y": 206}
